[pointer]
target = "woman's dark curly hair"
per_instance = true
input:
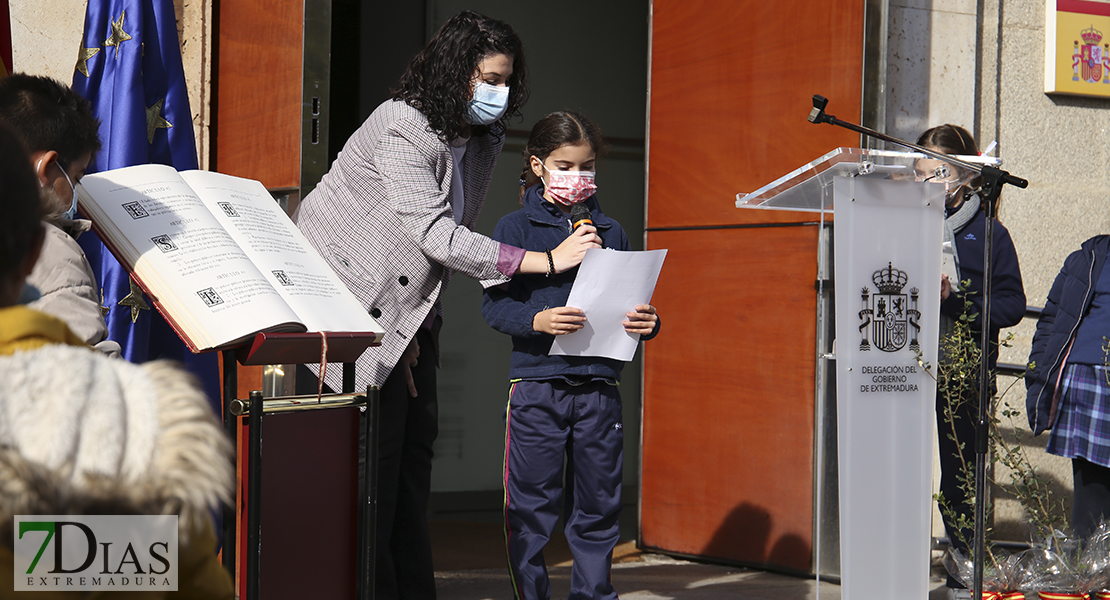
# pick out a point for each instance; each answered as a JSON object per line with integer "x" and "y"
{"x": 438, "y": 80}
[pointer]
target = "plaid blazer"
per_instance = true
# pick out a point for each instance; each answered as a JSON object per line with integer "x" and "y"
{"x": 382, "y": 218}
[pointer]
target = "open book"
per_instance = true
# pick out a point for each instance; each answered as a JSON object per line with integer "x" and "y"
{"x": 217, "y": 255}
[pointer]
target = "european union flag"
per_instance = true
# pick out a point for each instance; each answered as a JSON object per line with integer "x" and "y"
{"x": 129, "y": 68}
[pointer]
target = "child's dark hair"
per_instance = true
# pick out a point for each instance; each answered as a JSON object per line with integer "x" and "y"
{"x": 557, "y": 129}
{"x": 951, "y": 139}
{"x": 437, "y": 80}
{"x": 20, "y": 205}
{"x": 48, "y": 115}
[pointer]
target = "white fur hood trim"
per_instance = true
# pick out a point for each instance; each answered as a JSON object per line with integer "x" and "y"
{"x": 77, "y": 427}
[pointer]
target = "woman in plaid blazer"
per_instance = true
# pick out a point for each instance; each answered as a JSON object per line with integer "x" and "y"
{"x": 393, "y": 217}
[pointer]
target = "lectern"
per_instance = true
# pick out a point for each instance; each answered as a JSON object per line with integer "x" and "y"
{"x": 305, "y": 511}
{"x": 884, "y": 264}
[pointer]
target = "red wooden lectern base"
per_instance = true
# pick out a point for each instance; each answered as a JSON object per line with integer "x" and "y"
{"x": 319, "y": 479}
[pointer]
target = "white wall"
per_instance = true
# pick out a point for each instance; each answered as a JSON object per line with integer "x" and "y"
{"x": 930, "y": 65}
{"x": 45, "y": 36}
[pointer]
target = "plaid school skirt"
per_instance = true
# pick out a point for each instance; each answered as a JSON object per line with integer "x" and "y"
{"x": 1083, "y": 428}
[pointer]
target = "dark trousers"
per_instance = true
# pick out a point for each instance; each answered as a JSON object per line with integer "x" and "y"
{"x": 407, "y": 429}
{"x": 547, "y": 421}
{"x": 1091, "y": 503}
{"x": 951, "y": 469}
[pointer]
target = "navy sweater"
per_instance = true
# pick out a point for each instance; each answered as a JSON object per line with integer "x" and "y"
{"x": 510, "y": 308}
{"x": 1007, "y": 292}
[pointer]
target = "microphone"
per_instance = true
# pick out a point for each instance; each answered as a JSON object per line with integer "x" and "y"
{"x": 579, "y": 216}
{"x": 818, "y": 114}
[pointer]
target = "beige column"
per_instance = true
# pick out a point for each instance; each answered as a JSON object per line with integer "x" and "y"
{"x": 46, "y": 36}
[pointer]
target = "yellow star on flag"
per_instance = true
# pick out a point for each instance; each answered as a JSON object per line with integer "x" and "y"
{"x": 83, "y": 56}
{"x": 155, "y": 121}
{"x": 118, "y": 34}
{"x": 135, "y": 301}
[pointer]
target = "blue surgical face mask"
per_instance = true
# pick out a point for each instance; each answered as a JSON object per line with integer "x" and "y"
{"x": 488, "y": 105}
{"x": 72, "y": 212}
{"x": 28, "y": 294}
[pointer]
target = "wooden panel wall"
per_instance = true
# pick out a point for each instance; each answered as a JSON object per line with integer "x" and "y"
{"x": 259, "y": 57}
{"x": 258, "y": 83}
{"x": 728, "y": 425}
{"x": 732, "y": 83}
{"x": 728, "y": 431}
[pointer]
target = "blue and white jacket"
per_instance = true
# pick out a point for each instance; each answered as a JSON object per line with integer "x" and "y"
{"x": 510, "y": 308}
{"x": 1067, "y": 304}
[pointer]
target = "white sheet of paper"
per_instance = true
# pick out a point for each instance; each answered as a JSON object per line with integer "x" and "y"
{"x": 948, "y": 265}
{"x": 609, "y": 284}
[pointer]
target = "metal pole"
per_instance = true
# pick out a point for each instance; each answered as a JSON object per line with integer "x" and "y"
{"x": 348, "y": 377}
{"x": 254, "y": 499}
{"x": 818, "y": 116}
{"x": 368, "y": 488}
{"x": 990, "y": 192}
{"x": 228, "y": 541}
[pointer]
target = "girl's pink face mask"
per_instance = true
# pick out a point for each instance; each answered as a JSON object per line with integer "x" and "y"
{"x": 570, "y": 187}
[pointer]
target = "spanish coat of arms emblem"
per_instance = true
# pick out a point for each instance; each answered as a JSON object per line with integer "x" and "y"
{"x": 889, "y": 317}
{"x": 1089, "y": 61}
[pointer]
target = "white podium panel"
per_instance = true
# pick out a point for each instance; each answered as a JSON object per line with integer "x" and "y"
{"x": 888, "y": 237}
{"x": 887, "y": 247}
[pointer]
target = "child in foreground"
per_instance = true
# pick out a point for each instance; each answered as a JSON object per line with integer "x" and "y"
{"x": 85, "y": 434}
{"x": 559, "y": 405}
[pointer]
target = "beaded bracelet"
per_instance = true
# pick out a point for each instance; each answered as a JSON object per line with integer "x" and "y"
{"x": 550, "y": 264}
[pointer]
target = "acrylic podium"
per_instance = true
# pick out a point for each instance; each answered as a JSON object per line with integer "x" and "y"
{"x": 884, "y": 264}
{"x": 302, "y": 525}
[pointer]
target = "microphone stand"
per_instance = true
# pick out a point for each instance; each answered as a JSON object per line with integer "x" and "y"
{"x": 993, "y": 180}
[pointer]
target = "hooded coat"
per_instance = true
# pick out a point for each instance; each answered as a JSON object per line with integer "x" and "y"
{"x": 84, "y": 434}
{"x": 1067, "y": 304}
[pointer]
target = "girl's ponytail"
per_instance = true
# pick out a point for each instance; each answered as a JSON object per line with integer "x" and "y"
{"x": 527, "y": 179}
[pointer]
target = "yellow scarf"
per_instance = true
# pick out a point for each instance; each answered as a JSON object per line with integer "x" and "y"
{"x": 23, "y": 328}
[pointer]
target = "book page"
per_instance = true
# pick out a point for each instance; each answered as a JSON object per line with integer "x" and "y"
{"x": 249, "y": 213}
{"x": 159, "y": 228}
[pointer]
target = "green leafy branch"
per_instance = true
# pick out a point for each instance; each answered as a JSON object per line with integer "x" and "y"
{"x": 957, "y": 382}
